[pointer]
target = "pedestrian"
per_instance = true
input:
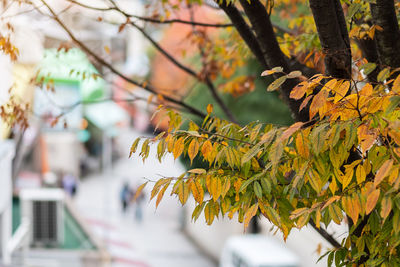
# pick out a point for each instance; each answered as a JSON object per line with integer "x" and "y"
{"x": 125, "y": 196}
{"x": 69, "y": 183}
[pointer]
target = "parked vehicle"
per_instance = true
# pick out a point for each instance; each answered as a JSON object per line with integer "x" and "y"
{"x": 256, "y": 251}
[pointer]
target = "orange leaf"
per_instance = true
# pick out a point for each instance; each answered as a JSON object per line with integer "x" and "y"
{"x": 206, "y": 148}
{"x": 299, "y": 90}
{"x": 386, "y": 207}
{"x": 209, "y": 108}
{"x": 292, "y": 129}
{"x": 318, "y": 102}
{"x": 372, "y": 200}
{"x": 383, "y": 172}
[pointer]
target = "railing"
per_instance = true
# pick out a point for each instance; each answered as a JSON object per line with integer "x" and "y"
{"x": 18, "y": 240}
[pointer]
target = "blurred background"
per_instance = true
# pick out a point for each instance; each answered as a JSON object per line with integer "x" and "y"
{"x": 67, "y": 182}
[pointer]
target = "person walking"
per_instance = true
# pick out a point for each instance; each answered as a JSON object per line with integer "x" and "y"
{"x": 125, "y": 197}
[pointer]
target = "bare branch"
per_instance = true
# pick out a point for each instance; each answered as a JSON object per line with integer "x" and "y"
{"x": 115, "y": 71}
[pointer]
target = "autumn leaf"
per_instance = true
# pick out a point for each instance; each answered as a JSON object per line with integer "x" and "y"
{"x": 139, "y": 191}
{"x": 197, "y": 191}
{"x": 372, "y": 199}
{"x": 386, "y": 207}
{"x": 272, "y": 71}
{"x": 383, "y": 172}
{"x": 277, "y": 83}
{"x": 299, "y": 91}
{"x": 291, "y": 130}
{"x": 250, "y": 213}
{"x": 193, "y": 149}
{"x": 178, "y": 147}
{"x": 206, "y": 148}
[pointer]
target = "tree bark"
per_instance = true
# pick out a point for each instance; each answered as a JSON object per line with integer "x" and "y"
{"x": 272, "y": 53}
{"x": 388, "y": 40}
{"x": 331, "y": 26}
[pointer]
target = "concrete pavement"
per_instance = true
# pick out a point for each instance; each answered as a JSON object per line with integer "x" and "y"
{"x": 157, "y": 241}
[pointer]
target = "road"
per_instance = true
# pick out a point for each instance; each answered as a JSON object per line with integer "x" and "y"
{"x": 157, "y": 240}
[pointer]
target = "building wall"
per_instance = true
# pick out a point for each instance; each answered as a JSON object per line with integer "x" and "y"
{"x": 6, "y": 157}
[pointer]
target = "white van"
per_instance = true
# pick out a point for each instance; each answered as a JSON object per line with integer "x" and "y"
{"x": 256, "y": 250}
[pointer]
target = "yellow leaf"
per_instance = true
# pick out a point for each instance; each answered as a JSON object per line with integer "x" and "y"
{"x": 396, "y": 85}
{"x": 360, "y": 174}
{"x": 209, "y": 212}
{"x": 178, "y": 147}
{"x": 193, "y": 149}
{"x": 197, "y": 171}
{"x": 139, "y": 191}
{"x": 393, "y": 175}
{"x": 372, "y": 199}
{"x": 215, "y": 188}
{"x": 206, "y": 148}
{"x": 301, "y": 146}
{"x": 386, "y": 207}
{"x": 161, "y": 194}
{"x": 335, "y": 213}
{"x": 183, "y": 192}
{"x": 383, "y": 172}
{"x": 331, "y": 85}
{"x": 347, "y": 177}
{"x": 197, "y": 191}
{"x": 225, "y": 187}
{"x": 302, "y": 220}
{"x": 318, "y": 216}
{"x": 250, "y": 213}
{"x": 107, "y": 49}
{"x": 333, "y": 185}
{"x": 341, "y": 91}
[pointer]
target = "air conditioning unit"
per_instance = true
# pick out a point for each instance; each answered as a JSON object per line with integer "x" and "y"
{"x": 44, "y": 208}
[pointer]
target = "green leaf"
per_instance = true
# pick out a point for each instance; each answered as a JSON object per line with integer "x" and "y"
{"x": 383, "y": 74}
{"x": 353, "y": 9}
{"x": 368, "y": 68}
{"x": 394, "y": 103}
{"x": 257, "y": 189}
{"x": 277, "y": 83}
{"x": 251, "y": 153}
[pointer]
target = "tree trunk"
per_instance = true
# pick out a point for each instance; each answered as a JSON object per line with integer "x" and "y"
{"x": 329, "y": 19}
{"x": 388, "y": 40}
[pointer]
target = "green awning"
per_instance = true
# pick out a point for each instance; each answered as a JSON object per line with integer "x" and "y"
{"x": 72, "y": 67}
{"x": 106, "y": 116}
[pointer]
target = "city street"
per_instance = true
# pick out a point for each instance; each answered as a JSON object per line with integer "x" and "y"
{"x": 157, "y": 240}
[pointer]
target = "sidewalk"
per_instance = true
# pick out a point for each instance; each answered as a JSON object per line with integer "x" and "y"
{"x": 155, "y": 242}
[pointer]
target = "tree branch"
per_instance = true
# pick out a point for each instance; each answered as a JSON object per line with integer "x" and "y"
{"x": 325, "y": 235}
{"x": 271, "y": 52}
{"x": 189, "y": 71}
{"x": 148, "y": 88}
